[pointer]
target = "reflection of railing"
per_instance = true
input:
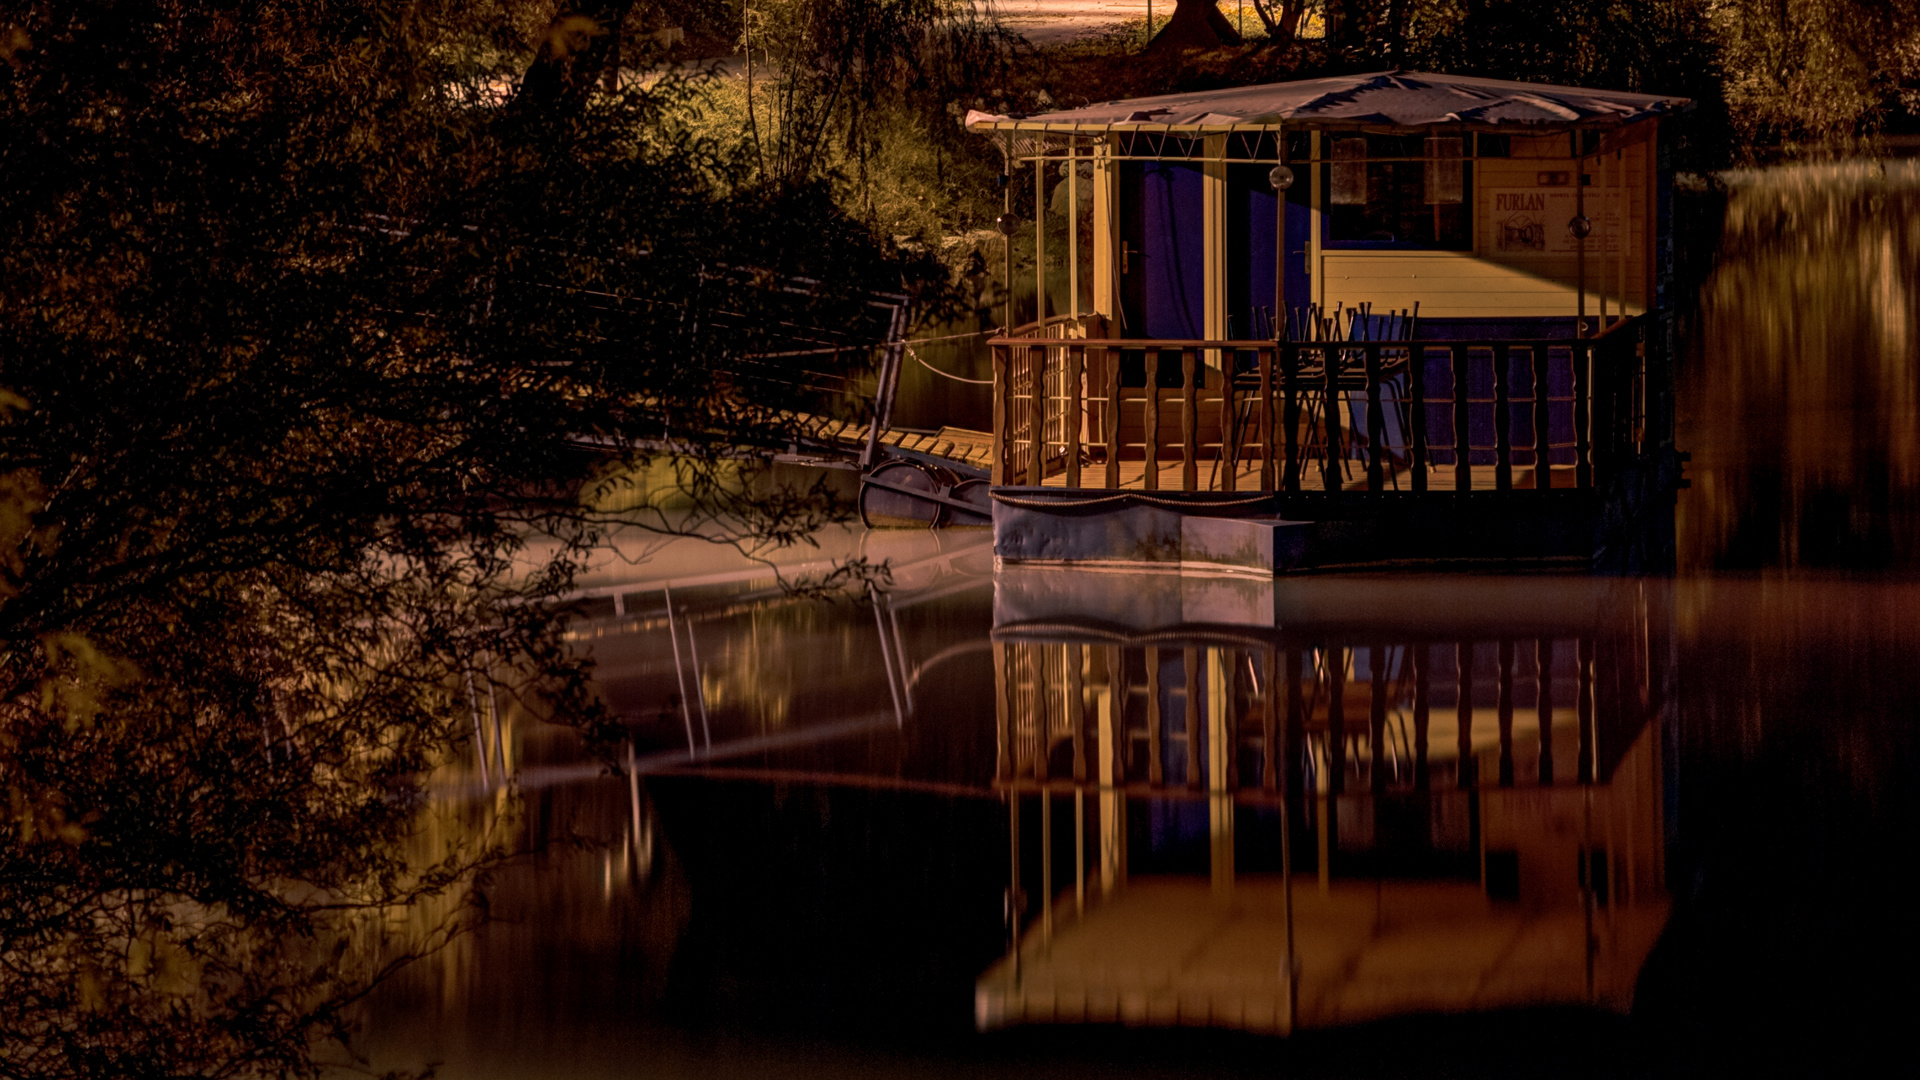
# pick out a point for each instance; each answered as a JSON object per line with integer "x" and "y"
{"x": 1210, "y": 772}
{"x": 1281, "y": 717}
{"x": 1420, "y": 415}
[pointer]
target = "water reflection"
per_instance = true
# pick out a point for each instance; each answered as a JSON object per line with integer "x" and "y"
{"x": 1292, "y": 805}
{"x": 1038, "y": 801}
{"x": 1800, "y": 403}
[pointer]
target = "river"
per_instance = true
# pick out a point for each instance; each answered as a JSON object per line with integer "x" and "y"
{"x": 1051, "y": 823}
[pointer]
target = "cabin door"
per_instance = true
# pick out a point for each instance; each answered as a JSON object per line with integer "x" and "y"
{"x": 1251, "y": 237}
{"x": 1163, "y": 250}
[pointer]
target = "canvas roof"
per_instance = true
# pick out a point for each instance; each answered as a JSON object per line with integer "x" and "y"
{"x": 1394, "y": 99}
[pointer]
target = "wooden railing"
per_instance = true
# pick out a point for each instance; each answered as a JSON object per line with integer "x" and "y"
{"x": 1287, "y": 416}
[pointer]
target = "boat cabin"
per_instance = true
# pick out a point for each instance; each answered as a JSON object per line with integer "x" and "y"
{"x": 1392, "y": 285}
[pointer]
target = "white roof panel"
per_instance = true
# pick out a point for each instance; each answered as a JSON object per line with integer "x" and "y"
{"x": 1400, "y": 99}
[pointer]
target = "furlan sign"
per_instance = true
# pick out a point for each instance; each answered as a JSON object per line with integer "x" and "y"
{"x": 1532, "y": 221}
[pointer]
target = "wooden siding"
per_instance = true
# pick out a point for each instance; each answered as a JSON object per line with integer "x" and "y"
{"x": 1485, "y": 284}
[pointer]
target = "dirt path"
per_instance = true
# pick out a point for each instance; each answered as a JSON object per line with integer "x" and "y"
{"x": 1051, "y": 22}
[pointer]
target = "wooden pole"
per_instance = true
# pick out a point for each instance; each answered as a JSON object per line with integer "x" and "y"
{"x": 1152, "y": 477}
{"x": 1156, "y": 768}
{"x": 1073, "y": 233}
{"x": 1189, "y": 419}
{"x": 1504, "y": 712}
{"x": 1580, "y": 242}
{"x": 1006, "y": 202}
{"x": 1463, "y": 712}
{"x": 1279, "y": 237}
{"x": 1422, "y": 670}
{"x": 1040, "y": 239}
{"x": 1543, "y": 706}
{"x": 1377, "y": 720}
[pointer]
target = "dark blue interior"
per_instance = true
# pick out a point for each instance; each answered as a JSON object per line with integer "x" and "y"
{"x": 1163, "y": 285}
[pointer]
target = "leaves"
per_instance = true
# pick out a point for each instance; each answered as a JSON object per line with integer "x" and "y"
{"x": 312, "y": 345}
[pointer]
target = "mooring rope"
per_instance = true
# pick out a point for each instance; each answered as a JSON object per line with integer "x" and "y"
{"x": 953, "y": 337}
{"x": 945, "y": 374}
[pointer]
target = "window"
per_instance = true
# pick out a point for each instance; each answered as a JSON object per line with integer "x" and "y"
{"x": 1394, "y": 191}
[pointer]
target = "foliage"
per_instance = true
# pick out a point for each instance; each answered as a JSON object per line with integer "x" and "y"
{"x": 858, "y": 93}
{"x": 320, "y": 314}
{"x": 1818, "y": 71}
{"x": 1765, "y": 74}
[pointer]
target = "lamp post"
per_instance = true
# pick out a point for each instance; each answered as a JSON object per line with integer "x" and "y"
{"x": 1280, "y": 177}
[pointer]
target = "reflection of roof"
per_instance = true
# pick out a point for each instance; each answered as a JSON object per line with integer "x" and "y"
{"x": 1400, "y": 99}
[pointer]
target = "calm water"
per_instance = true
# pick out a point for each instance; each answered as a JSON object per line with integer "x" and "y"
{"x": 1051, "y": 823}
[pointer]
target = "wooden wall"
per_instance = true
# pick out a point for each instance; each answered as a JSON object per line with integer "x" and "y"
{"x": 1508, "y": 280}
{"x": 1502, "y": 277}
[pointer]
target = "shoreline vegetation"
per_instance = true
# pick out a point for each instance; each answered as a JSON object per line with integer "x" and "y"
{"x": 1773, "y": 82}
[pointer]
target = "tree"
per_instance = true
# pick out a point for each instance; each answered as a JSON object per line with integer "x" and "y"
{"x": 1822, "y": 72}
{"x": 1282, "y": 18}
{"x": 1196, "y": 24}
{"x": 310, "y": 310}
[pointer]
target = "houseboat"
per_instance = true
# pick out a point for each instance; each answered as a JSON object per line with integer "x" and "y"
{"x": 1354, "y": 320}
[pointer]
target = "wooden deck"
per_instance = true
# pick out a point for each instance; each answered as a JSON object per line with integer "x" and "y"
{"x": 1151, "y": 415}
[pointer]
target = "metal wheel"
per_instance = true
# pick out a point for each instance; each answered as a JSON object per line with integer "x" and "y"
{"x": 975, "y": 493}
{"x": 891, "y": 504}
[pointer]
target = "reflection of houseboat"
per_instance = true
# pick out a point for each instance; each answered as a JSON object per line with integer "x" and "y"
{"x": 1338, "y": 803}
{"x": 1367, "y": 317}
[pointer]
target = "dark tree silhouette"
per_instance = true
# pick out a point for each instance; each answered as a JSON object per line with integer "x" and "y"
{"x": 1195, "y": 24}
{"x": 306, "y": 332}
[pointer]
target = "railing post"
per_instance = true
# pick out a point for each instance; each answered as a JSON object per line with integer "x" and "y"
{"x": 1270, "y": 721}
{"x": 1502, "y": 421}
{"x": 1582, "y": 417}
{"x": 1152, "y": 424}
{"x": 1503, "y": 711}
{"x": 1110, "y": 359}
{"x": 1330, "y": 461}
{"x": 1607, "y": 410}
{"x": 1542, "y": 414}
{"x": 1462, "y": 422}
{"x": 1075, "y": 410}
{"x": 1229, "y": 421}
{"x": 1002, "y": 418}
{"x": 1543, "y": 705}
{"x": 1583, "y": 710}
{"x": 1156, "y": 769}
{"x": 1037, "y": 433}
{"x": 1267, "y": 358}
{"x": 1189, "y": 418}
{"x": 1417, "y": 414}
{"x": 1294, "y": 735}
{"x": 1336, "y": 723}
{"x": 1422, "y": 710}
{"x": 1463, "y": 712}
{"x": 1376, "y": 421}
{"x": 1190, "y": 667}
{"x": 1377, "y": 719}
{"x": 1290, "y": 413}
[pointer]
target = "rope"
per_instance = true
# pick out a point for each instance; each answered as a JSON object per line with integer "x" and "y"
{"x": 1126, "y": 496}
{"x": 953, "y": 337}
{"x": 946, "y": 374}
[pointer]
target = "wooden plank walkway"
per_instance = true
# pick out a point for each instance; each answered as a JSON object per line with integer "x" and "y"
{"x": 961, "y": 445}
